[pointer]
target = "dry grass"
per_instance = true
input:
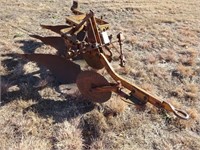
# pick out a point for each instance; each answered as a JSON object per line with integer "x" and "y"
{"x": 162, "y": 52}
{"x": 192, "y": 90}
{"x": 168, "y": 55}
{"x": 185, "y": 71}
{"x": 151, "y": 59}
{"x": 67, "y": 137}
{"x": 114, "y": 106}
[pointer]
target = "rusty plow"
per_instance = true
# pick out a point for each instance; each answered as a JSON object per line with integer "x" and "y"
{"x": 86, "y": 36}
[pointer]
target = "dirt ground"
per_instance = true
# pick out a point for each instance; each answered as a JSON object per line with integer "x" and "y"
{"x": 162, "y": 48}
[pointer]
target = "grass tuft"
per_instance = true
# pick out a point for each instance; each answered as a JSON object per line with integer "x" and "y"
{"x": 67, "y": 137}
{"x": 185, "y": 71}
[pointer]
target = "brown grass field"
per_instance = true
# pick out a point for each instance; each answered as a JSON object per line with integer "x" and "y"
{"x": 162, "y": 49}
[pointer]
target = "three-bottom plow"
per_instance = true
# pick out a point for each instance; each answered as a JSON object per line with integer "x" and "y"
{"x": 85, "y": 37}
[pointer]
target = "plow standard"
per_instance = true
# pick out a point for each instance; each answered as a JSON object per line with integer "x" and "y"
{"x": 84, "y": 36}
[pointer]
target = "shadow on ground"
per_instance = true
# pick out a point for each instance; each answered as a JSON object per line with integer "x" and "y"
{"x": 61, "y": 110}
{"x": 28, "y": 85}
{"x": 72, "y": 107}
{"x": 25, "y": 84}
{"x": 29, "y": 46}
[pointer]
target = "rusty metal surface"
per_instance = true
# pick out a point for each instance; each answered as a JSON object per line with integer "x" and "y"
{"x": 56, "y": 42}
{"x": 87, "y": 80}
{"x": 64, "y": 70}
{"x": 56, "y": 29}
{"x": 122, "y": 58}
{"x": 92, "y": 59}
